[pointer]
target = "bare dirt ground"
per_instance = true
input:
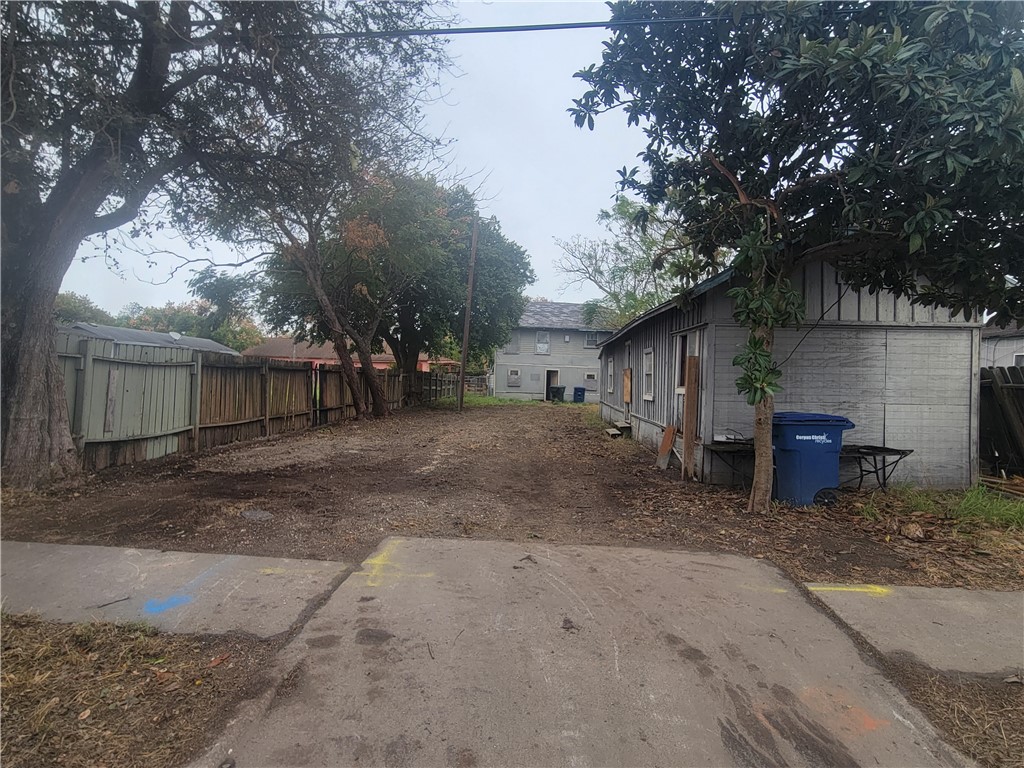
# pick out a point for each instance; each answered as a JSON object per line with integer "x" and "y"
{"x": 500, "y": 472}
{"x": 526, "y": 472}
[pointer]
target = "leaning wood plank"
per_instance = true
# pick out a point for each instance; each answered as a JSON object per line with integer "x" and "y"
{"x": 690, "y": 400}
{"x": 665, "y": 451}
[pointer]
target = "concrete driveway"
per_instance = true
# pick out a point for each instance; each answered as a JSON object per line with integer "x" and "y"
{"x": 466, "y": 653}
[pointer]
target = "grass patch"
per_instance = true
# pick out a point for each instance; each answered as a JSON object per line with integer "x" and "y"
{"x": 473, "y": 400}
{"x": 980, "y": 503}
{"x": 976, "y": 505}
{"x": 107, "y": 694}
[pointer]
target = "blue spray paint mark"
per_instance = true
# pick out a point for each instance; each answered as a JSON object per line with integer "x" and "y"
{"x": 155, "y": 605}
{"x": 159, "y": 606}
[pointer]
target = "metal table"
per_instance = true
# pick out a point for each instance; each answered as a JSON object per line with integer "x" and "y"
{"x": 877, "y": 461}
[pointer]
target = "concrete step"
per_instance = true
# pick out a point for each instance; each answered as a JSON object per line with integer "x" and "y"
{"x": 623, "y": 426}
{"x": 612, "y": 432}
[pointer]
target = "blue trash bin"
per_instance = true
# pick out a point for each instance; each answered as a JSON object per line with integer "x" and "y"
{"x": 579, "y": 394}
{"x": 807, "y": 449}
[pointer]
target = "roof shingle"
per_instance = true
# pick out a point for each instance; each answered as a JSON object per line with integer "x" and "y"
{"x": 559, "y": 315}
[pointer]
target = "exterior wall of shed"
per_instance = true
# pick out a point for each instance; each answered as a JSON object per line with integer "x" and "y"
{"x": 906, "y": 375}
{"x": 1000, "y": 351}
{"x": 572, "y": 359}
{"x": 648, "y": 418}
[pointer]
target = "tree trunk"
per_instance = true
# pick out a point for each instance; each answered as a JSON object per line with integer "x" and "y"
{"x": 761, "y": 488}
{"x": 412, "y": 389}
{"x": 764, "y": 458}
{"x": 348, "y": 370}
{"x": 37, "y": 446}
{"x": 377, "y": 394}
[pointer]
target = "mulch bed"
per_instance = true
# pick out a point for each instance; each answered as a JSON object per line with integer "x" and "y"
{"x": 981, "y": 716}
{"x": 103, "y": 694}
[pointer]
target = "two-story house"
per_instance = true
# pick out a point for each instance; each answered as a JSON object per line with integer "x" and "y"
{"x": 552, "y": 346}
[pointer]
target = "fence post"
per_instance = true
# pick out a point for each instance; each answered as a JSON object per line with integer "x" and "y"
{"x": 310, "y": 395}
{"x": 265, "y": 373}
{"x": 197, "y": 375}
{"x": 83, "y": 391}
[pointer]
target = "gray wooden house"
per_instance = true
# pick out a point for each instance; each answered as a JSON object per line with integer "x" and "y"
{"x": 906, "y": 375}
{"x": 552, "y": 346}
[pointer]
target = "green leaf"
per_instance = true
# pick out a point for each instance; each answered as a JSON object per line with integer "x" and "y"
{"x": 1017, "y": 83}
{"x": 916, "y": 241}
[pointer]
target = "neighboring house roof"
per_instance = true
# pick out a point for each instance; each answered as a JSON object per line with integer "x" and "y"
{"x": 1009, "y": 332}
{"x": 148, "y": 338}
{"x": 286, "y": 347}
{"x": 700, "y": 288}
{"x": 559, "y": 315}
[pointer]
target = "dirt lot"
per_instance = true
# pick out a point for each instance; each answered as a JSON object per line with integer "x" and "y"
{"x": 529, "y": 472}
{"x": 505, "y": 472}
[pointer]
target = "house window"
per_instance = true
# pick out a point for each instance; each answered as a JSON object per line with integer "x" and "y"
{"x": 611, "y": 374}
{"x": 543, "y": 343}
{"x": 590, "y": 342}
{"x": 1018, "y": 360}
{"x": 514, "y": 379}
{"x": 512, "y": 346}
{"x": 590, "y": 381}
{"x": 648, "y": 374}
{"x": 682, "y": 351}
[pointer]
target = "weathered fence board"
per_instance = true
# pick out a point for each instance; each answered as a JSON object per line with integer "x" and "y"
{"x": 134, "y": 402}
{"x": 1001, "y": 422}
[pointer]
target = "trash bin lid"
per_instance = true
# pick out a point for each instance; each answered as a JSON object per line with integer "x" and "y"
{"x": 821, "y": 419}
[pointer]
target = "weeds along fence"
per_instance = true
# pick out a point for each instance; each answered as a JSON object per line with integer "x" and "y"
{"x": 133, "y": 402}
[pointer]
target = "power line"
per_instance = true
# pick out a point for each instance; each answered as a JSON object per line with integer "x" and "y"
{"x": 400, "y": 33}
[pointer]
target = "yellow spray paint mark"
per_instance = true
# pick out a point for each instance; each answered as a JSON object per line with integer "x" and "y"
{"x": 271, "y": 571}
{"x": 868, "y": 589}
{"x": 381, "y": 569}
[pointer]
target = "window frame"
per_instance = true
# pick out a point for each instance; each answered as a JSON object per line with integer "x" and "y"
{"x": 611, "y": 375}
{"x": 586, "y": 339}
{"x": 514, "y": 373}
{"x": 682, "y": 355}
{"x": 1018, "y": 360}
{"x": 647, "y": 358}
{"x": 547, "y": 343}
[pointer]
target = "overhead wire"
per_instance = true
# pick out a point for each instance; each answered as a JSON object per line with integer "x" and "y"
{"x": 400, "y": 33}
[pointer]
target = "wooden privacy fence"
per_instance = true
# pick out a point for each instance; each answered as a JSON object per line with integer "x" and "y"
{"x": 1001, "y": 421}
{"x": 134, "y": 402}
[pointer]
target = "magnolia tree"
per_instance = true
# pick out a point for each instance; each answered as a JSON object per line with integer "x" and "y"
{"x": 884, "y": 138}
{"x": 110, "y": 106}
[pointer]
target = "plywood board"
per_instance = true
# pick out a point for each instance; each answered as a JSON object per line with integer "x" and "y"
{"x": 627, "y": 385}
{"x": 665, "y": 450}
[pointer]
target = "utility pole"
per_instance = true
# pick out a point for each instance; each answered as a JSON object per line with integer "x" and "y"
{"x": 469, "y": 307}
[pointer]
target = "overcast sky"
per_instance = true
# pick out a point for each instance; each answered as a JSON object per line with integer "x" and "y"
{"x": 506, "y": 108}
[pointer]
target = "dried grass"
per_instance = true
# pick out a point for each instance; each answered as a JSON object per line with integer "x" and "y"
{"x": 104, "y": 694}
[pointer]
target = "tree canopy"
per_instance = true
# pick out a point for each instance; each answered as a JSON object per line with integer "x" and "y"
{"x": 71, "y": 307}
{"x": 626, "y": 266}
{"x": 887, "y": 138}
{"x": 394, "y": 266}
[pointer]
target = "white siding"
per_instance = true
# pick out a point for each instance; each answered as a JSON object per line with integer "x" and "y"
{"x": 902, "y": 387}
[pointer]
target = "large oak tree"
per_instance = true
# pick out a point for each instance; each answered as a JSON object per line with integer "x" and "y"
{"x": 107, "y": 105}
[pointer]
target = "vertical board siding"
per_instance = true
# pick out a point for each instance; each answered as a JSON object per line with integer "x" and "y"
{"x": 134, "y": 402}
{"x": 658, "y": 333}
